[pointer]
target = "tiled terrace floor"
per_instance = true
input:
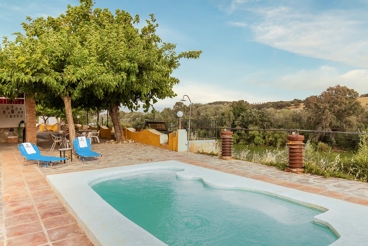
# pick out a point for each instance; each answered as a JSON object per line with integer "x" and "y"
{"x": 31, "y": 214}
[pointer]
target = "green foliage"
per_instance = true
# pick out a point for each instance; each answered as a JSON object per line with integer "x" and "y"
{"x": 327, "y": 164}
{"x": 97, "y": 59}
{"x": 323, "y": 147}
{"x": 333, "y": 109}
{"x": 277, "y": 157}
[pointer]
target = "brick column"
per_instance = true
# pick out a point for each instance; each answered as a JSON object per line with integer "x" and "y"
{"x": 31, "y": 135}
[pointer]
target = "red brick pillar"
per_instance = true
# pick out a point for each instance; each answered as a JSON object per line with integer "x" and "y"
{"x": 31, "y": 135}
{"x": 226, "y": 145}
{"x": 295, "y": 146}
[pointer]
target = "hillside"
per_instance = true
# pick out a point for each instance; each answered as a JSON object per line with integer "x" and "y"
{"x": 363, "y": 101}
{"x": 281, "y": 104}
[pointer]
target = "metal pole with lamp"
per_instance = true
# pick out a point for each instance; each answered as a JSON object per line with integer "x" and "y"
{"x": 190, "y": 113}
{"x": 179, "y": 114}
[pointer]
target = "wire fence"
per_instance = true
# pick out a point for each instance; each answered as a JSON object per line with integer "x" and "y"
{"x": 202, "y": 130}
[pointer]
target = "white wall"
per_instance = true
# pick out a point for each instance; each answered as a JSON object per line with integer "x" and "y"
{"x": 11, "y": 115}
{"x": 182, "y": 140}
{"x": 205, "y": 146}
{"x": 50, "y": 120}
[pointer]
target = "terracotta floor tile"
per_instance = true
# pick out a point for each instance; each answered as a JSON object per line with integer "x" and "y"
{"x": 311, "y": 189}
{"x": 42, "y": 192}
{"x": 31, "y": 181}
{"x": 48, "y": 213}
{"x": 49, "y": 204}
{"x": 334, "y": 194}
{"x": 23, "y": 229}
{"x": 40, "y": 187}
{"x": 81, "y": 240}
{"x": 15, "y": 185}
{"x": 12, "y": 180}
{"x": 58, "y": 221}
{"x": 64, "y": 232}
{"x": 19, "y": 202}
{"x": 49, "y": 197}
{"x": 290, "y": 185}
{"x": 29, "y": 240}
{"x": 22, "y": 192}
{"x": 11, "y": 198}
{"x": 34, "y": 183}
{"x": 19, "y": 210}
{"x": 20, "y": 219}
{"x": 357, "y": 200}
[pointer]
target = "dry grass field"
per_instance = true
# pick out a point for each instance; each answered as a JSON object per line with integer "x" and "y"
{"x": 362, "y": 100}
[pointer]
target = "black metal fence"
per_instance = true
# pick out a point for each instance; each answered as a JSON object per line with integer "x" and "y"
{"x": 208, "y": 129}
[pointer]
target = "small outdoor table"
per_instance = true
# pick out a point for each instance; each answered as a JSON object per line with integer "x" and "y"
{"x": 64, "y": 150}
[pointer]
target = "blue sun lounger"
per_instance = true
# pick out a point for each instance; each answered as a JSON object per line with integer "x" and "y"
{"x": 30, "y": 152}
{"x": 82, "y": 147}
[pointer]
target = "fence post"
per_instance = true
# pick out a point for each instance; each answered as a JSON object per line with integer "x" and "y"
{"x": 295, "y": 146}
{"x": 226, "y": 144}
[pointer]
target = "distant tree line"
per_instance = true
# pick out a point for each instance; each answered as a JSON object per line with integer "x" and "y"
{"x": 336, "y": 109}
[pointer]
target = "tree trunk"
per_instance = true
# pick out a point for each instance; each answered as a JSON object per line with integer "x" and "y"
{"x": 115, "y": 118}
{"x": 98, "y": 119}
{"x": 45, "y": 119}
{"x": 69, "y": 118}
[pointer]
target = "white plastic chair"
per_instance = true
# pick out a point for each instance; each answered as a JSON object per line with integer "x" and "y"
{"x": 66, "y": 140}
{"x": 93, "y": 135}
{"x": 55, "y": 140}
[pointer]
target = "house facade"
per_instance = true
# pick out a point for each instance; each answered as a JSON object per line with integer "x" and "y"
{"x": 18, "y": 118}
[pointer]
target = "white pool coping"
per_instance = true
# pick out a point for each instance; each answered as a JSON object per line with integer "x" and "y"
{"x": 105, "y": 226}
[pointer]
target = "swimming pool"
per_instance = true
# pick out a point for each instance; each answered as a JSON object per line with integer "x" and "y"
{"x": 105, "y": 226}
{"x": 188, "y": 212}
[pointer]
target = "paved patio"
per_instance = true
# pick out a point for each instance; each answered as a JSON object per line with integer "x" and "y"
{"x": 31, "y": 214}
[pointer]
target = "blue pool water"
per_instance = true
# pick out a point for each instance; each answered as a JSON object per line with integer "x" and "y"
{"x": 187, "y": 212}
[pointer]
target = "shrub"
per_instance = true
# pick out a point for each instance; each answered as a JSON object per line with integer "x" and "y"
{"x": 323, "y": 147}
{"x": 327, "y": 163}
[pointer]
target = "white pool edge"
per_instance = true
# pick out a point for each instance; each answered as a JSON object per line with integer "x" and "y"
{"x": 105, "y": 226}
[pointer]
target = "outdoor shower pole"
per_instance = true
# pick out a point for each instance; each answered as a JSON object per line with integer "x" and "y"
{"x": 190, "y": 113}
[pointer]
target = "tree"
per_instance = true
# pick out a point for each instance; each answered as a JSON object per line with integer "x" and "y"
{"x": 93, "y": 55}
{"x": 139, "y": 62}
{"x": 333, "y": 109}
{"x": 237, "y": 108}
{"x": 254, "y": 117}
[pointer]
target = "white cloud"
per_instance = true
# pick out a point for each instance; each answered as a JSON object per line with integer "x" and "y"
{"x": 333, "y": 35}
{"x": 205, "y": 93}
{"x": 241, "y": 24}
{"x": 319, "y": 80}
{"x": 336, "y": 35}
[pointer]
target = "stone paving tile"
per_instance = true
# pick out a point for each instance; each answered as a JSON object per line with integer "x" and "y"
{"x": 21, "y": 219}
{"x": 357, "y": 200}
{"x": 80, "y": 240}
{"x": 52, "y": 212}
{"x": 23, "y": 229}
{"x": 311, "y": 189}
{"x": 64, "y": 232}
{"x": 58, "y": 221}
{"x": 25, "y": 187}
{"x": 49, "y": 204}
{"x": 33, "y": 239}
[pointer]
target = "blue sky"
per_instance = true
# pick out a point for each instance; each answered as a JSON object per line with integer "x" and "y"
{"x": 253, "y": 50}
